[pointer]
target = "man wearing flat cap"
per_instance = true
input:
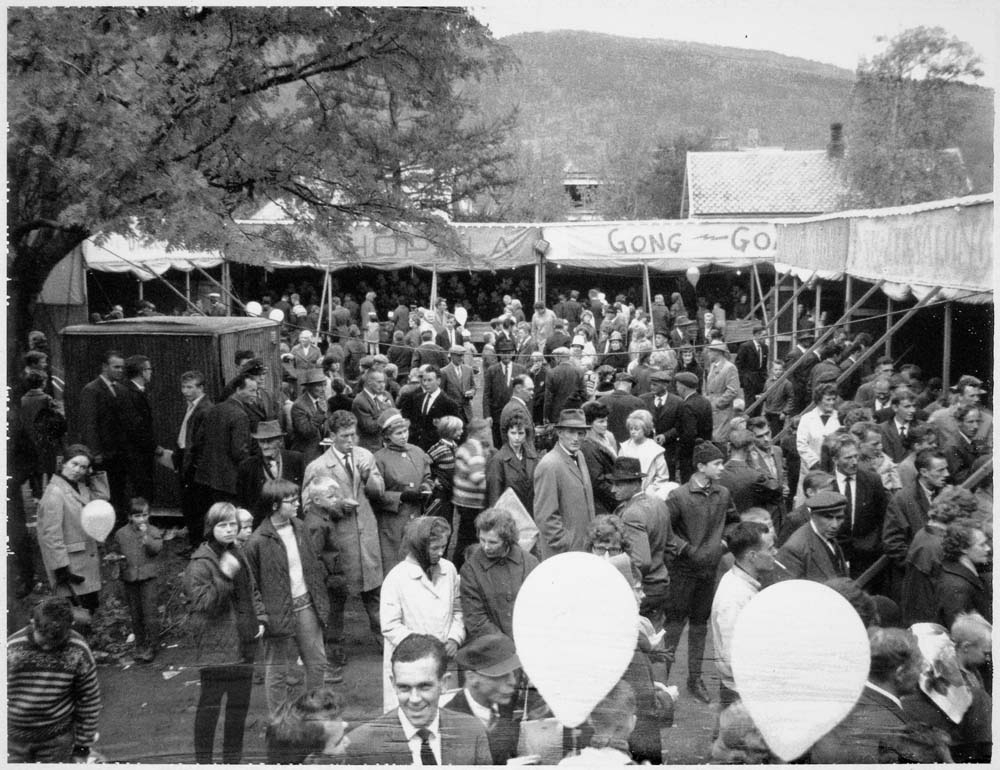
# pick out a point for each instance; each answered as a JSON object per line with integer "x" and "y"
{"x": 309, "y": 415}
{"x": 458, "y": 381}
{"x": 564, "y": 498}
{"x": 271, "y": 461}
{"x": 812, "y": 552}
{"x": 664, "y": 406}
{"x": 694, "y": 419}
{"x": 621, "y": 403}
{"x": 492, "y": 671}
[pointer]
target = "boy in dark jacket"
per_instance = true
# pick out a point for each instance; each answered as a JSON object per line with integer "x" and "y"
{"x": 140, "y": 545}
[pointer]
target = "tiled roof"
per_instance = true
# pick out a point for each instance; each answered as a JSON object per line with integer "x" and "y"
{"x": 763, "y": 182}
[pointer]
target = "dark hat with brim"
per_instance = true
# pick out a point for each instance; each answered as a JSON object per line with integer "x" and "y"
{"x": 504, "y": 346}
{"x": 490, "y": 655}
{"x": 267, "y": 429}
{"x": 572, "y": 418}
{"x": 626, "y": 469}
{"x": 312, "y": 377}
{"x": 682, "y": 320}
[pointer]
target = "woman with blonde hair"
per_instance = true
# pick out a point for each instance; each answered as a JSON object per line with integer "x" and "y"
{"x": 651, "y": 456}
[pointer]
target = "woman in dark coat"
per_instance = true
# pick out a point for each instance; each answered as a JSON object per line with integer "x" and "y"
{"x": 966, "y": 549}
{"x": 513, "y": 466}
{"x": 226, "y": 618}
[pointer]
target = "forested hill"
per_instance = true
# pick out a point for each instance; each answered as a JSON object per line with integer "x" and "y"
{"x": 585, "y": 94}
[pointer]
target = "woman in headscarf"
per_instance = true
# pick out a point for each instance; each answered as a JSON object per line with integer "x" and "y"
{"x": 420, "y": 595}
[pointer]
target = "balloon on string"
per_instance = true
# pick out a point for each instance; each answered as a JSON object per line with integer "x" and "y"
{"x": 254, "y": 309}
{"x": 277, "y": 315}
{"x": 461, "y": 315}
{"x": 800, "y": 659}
{"x": 98, "y": 519}
{"x": 693, "y": 275}
{"x": 575, "y": 626}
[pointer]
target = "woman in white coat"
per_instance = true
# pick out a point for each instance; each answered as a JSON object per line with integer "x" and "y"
{"x": 420, "y": 595}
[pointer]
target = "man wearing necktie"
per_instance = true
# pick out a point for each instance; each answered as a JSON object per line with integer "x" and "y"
{"x": 270, "y": 462}
{"x": 190, "y": 446}
{"x": 866, "y": 501}
{"x": 101, "y": 425}
{"x": 498, "y": 385}
{"x": 812, "y": 552}
{"x": 751, "y": 362}
{"x": 309, "y": 415}
{"x": 418, "y": 732}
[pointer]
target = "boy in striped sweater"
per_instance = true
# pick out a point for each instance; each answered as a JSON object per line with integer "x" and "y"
{"x": 469, "y": 488}
{"x": 53, "y": 697}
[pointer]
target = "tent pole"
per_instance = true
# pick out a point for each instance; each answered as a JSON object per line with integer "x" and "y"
{"x": 888, "y": 326}
{"x": 795, "y": 308}
{"x": 647, "y": 287}
{"x": 140, "y": 289}
{"x": 228, "y": 294}
{"x": 753, "y": 298}
{"x": 322, "y": 304}
{"x": 187, "y": 285}
{"x": 760, "y": 290}
{"x": 819, "y": 297}
{"x": 434, "y": 287}
{"x": 946, "y": 366}
{"x": 774, "y": 318}
{"x": 328, "y": 282}
{"x": 848, "y": 288}
{"x": 227, "y": 283}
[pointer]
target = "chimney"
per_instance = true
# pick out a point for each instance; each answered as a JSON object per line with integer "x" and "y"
{"x": 835, "y": 149}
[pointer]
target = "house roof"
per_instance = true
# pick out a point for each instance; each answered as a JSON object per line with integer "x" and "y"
{"x": 763, "y": 182}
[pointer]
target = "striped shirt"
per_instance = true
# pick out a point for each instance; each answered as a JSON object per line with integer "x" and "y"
{"x": 442, "y": 456}
{"x": 51, "y": 692}
{"x": 470, "y": 476}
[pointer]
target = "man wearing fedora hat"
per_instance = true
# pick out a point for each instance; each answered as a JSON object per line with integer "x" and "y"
{"x": 722, "y": 387}
{"x": 270, "y": 462}
{"x": 564, "y": 498}
{"x": 491, "y": 669}
{"x": 647, "y": 532}
{"x": 498, "y": 385}
{"x": 681, "y": 333}
{"x": 309, "y": 414}
{"x": 458, "y": 381}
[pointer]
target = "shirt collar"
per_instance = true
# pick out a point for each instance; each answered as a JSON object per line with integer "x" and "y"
{"x": 745, "y": 576}
{"x": 434, "y": 728}
{"x": 882, "y": 692}
{"x": 483, "y": 713}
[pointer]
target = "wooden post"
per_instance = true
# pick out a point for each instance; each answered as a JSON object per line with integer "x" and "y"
{"x": 795, "y": 311}
{"x": 946, "y": 367}
{"x": 140, "y": 289}
{"x": 753, "y": 268}
{"x": 187, "y": 285}
{"x": 848, "y": 290}
{"x": 773, "y": 335}
{"x": 329, "y": 304}
{"x": 434, "y": 289}
{"x": 647, "y": 288}
{"x": 819, "y": 297}
{"x": 227, "y": 286}
{"x": 756, "y": 280}
{"x": 322, "y": 304}
{"x": 888, "y": 325}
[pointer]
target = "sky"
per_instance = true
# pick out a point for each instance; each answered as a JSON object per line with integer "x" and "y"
{"x": 828, "y": 31}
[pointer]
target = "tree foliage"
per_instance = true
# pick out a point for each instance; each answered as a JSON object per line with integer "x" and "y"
{"x": 905, "y": 115}
{"x": 177, "y": 121}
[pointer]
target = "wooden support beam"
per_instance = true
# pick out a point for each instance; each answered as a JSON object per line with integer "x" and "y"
{"x": 946, "y": 367}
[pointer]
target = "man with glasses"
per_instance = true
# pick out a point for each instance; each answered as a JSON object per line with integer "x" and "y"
{"x": 271, "y": 461}
{"x": 769, "y": 460}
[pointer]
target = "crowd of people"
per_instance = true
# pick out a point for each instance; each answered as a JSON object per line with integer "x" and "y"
{"x": 405, "y": 466}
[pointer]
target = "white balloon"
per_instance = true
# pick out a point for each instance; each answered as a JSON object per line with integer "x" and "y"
{"x": 461, "y": 315}
{"x": 800, "y": 662}
{"x": 575, "y": 626}
{"x": 254, "y": 309}
{"x": 277, "y": 315}
{"x": 693, "y": 274}
{"x": 98, "y": 519}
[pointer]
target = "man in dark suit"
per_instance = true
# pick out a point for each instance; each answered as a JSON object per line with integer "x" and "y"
{"x": 812, "y": 552}
{"x": 748, "y": 486}
{"x": 894, "y": 431}
{"x": 659, "y": 314}
{"x": 498, "y": 385}
{"x": 428, "y": 352}
{"x": 190, "y": 450}
{"x": 491, "y": 670}
{"x": 564, "y": 387}
{"x": 963, "y": 449}
{"x": 101, "y": 426}
{"x": 751, "y": 362}
{"x": 769, "y": 460}
{"x": 426, "y": 411}
{"x": 524, "y": 345}
{"x": 140, "y": 447}
{"x": 270, "y": 462}
{"x": 682, "y": 333}
{"x": 802, "y": 376}
{"x": 450, "y": 336}
{"x": 694, "y": 419}
{"x": 621, "y": 403}
{"x": 878, "y": 730}
{"x": 664, "y": 406}
{"x": 906, "y": 513}
{"x": 558, "y": 339}
{"x": 418, "y": 732}
{"x": 521, "y": 401}
{"x": 572, "y": 310}
{"x": 309, "y": 415}
{"x": 861, "y": 535}
{"x": 227, "y": 441}
{"x": 370, "y": 402}
{"x": 459, "y": 381}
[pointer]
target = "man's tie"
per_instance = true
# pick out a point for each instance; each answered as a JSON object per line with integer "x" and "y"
{"x": 272, "y": 468}
{"x": 427, "y": 405}
{"x": 182, "y": 435}
{"x": 349, "y": 465}
{"x": 902, "y": 432}
{"x": 426, "y": 753}
{"x": 850, "y": 501}
{"x": 824, "y": 418}
{"x": 838, "y": 557}
{"x": 506, "y": 369}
